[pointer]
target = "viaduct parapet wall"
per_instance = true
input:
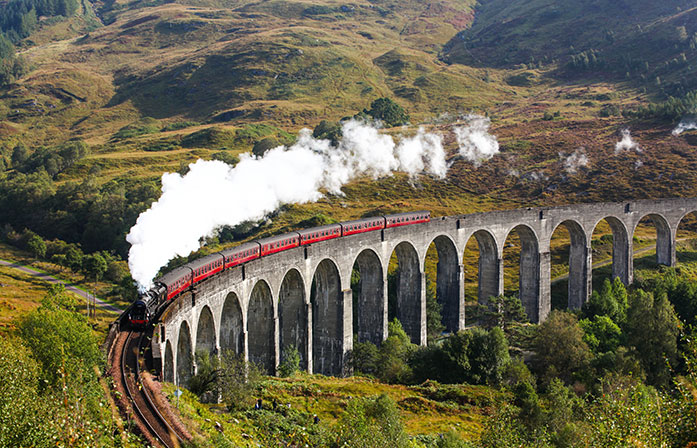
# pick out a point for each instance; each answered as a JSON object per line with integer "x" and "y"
{"x": 303, "y": 298}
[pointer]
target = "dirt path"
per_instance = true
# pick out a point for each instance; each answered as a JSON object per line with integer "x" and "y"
{"x": 68, "y": 286}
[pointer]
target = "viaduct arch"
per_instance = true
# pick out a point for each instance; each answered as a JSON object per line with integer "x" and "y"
{"x": 302, "y": 297}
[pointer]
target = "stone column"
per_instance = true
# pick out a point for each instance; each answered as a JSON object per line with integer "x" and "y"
{"x": 544, "y": 303}
{"x": 665, "y": 247}
{"x": 490, "y": 277}
{"x": 529, "y": 291}
{"x": 276, "y": 342}
{"x": 623, "y": 260}
{"x": 460, "y": 297}
{"x": 449, "y": 293}
{"x": 347, "y": 330}
{"x": 385, "y": 307}
{"x": 423, "y": 338}
{"x": 579, "y": 275}
{"x": 309, "y": 337}
{"x": 245, "y": 341}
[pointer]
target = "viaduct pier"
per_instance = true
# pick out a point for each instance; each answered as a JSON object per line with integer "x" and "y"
{"x": 302, "y": 297}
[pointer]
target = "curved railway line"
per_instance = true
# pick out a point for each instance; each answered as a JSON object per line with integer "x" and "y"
{"x": 143, "y": 410}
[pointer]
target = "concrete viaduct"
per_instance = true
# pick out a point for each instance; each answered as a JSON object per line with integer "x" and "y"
{"x": 303, "y": 296}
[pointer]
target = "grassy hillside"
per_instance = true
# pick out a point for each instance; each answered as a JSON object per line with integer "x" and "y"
{"x": 645, "y": 43}
{"x": 153, "y": 86}
{"x": 426, "y": 410}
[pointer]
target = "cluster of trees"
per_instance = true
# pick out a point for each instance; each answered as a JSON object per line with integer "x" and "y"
{"x": 50, "y": 394}
{"x": 51, "y": 160}
{"x": 367, "y": 422}
{"x": 620, "y": 368}
{"x": 95, "y": 266}
{"x": 11, "y": 65}
{"x": 18, "y": 18}
{"x": 475, "y": 356}
{"x": 586, "y": 60}
{"x": 621, "y": 371}
{"x": 672, "y": 110}
{"x": 95, "y": 216}
{"x": 385, "y": 110}
{"x": 620, "y": 374}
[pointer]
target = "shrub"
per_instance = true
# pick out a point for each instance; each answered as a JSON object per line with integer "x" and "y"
{"x": 290, "y": 362}
{"x": 560, "y": 350}
{"x": 263, "y": 145}
{"x": 372, "y": 422}
{"x": 37, "y": 246}
{"x": 207, "y": 374}
{"x": 145, "y": 126}
{"x": 60, "y": 339}
{"x": 390, "y": 113}
{"x": 238, "y": 380}
{"x": 328, "y": 130}
{"x": 524, "y": 79}
{"x": 226, "y": 157}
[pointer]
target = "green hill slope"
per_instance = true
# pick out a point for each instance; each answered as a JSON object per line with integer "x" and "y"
{"x": 639, "y": 41}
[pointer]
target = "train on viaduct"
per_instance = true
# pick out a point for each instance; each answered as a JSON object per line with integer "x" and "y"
{"x": 302, "y": 297}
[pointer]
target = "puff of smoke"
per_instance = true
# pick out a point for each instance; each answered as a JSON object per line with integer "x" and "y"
{"x": 535, "y": 176}
{"x": 474, "y": 140}
{"x": 213, "y": 194}
{"x": 627, "y": 143}
{"x": 684, "y": 125}
{"x": 574, "y": 161}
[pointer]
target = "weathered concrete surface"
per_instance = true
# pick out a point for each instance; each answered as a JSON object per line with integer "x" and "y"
{"x": 269, "y": 304}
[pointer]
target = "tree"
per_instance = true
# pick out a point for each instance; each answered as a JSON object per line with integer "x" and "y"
{"x": 372, "y": 422}
{"x": 94, "y": 266}
{"x": 12, "y": 66}
{"x": 290, "y": 362}
{"x": 681, "y": 292}
{"x": 365, "y": 357}
{"x": 207, "y": 374}
{"x": 392, "y": 364}
{"x": 456, "y": 362}
{"x": 652, "y": 329}
{"x": 495, "y": 356}
{"x": 20, "y": 154}
{"x": 389, "y": 112}
{"x": 328, "y": 130}
{"x": 264, "y": 145}
{"x": 601, "y": 334}
{"x": 559, "y": 349}
{"x": 73, "y": 151}
{"x": 22, "y": 416}
{"x": 526, "y": 399}
{"x": 73, "y": 257}
{"x": 237, "y": 380}
{"x": 611, "y": 302}
{"x": 37, "y": 246}
{"x": 60, "y": 338}
{"x": 503, "y": 311}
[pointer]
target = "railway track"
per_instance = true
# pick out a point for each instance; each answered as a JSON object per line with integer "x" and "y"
{"x": 148, "y": 418}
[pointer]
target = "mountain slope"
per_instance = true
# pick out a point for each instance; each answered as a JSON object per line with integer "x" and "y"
{"x": 589, "y": 39}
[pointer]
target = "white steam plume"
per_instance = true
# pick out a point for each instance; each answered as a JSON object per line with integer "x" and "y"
{"x": 575, "y": 160}
{"x": 476, "y": 144}
{"x": 213, "y": 194}
{"x": 685, "y": 125}
{"x": 627, "y": 143}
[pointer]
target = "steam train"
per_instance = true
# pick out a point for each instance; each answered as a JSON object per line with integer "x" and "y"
{"x": 186, "y": 277}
